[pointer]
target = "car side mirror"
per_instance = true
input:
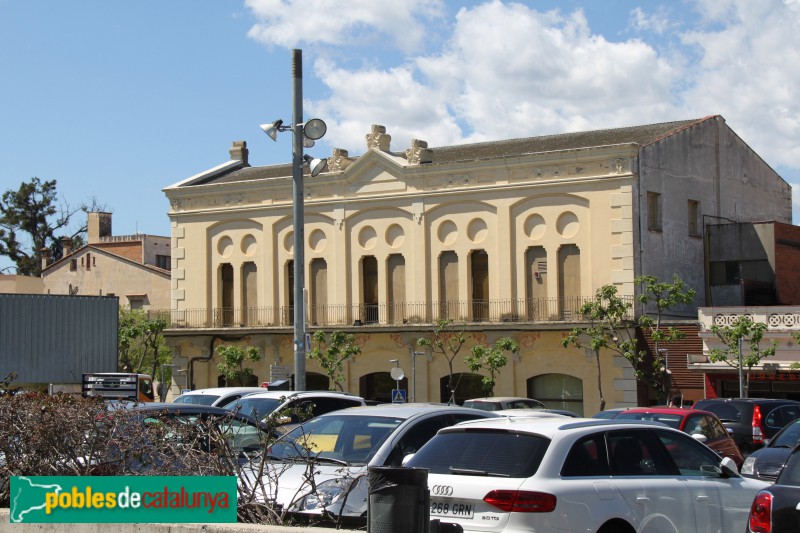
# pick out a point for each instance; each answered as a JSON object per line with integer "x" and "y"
{"x": 728, "y": 467}
{"x": 699, "y": 437}
{"x": 406, "y": 459}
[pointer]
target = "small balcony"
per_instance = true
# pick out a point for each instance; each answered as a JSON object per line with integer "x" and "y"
{"x": 531, "y": 311}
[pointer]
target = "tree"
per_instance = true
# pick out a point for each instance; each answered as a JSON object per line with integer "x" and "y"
{"x": 743, "y": 330}
{"x": 331, "y": 354}
{"x": 610, "y": 328}
{"x": 141, "y": 344}
{"x": 448, "y": 341}
{"x": 491, "y": 359}
{"x": 232, "y": 365}
{"x": 30, "y": 222}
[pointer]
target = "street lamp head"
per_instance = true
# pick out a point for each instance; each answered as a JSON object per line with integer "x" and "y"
{"x": 315, "y": 129}
{"x": 273, "y": 129}
{"x": 315, "y": 165}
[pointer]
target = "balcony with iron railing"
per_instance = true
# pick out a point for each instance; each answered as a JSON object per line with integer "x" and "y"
{"x": 531, "y": 310}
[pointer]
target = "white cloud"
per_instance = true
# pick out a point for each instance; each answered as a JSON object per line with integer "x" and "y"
{"x": 290, "y": 23}
{"x": 542, "y": 73}
{"x": 506, "y": 70}
{"x": 748, "y": 72}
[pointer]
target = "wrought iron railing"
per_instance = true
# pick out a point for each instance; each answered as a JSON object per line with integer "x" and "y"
{"x": 536, "y": 310}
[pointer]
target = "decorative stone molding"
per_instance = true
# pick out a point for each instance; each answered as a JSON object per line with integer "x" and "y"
{"x": 728, "y": 319}
{"x": 378, "y": 138}
{"x": 783, "y": 321}
{"x": 339, "y": 160}
{"x": 239, "y": 152}
{"x": 419, "y": 152}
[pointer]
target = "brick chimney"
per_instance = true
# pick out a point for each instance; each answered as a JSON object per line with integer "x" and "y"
{"x": 239, "y": 152}
{"x": 98, "y": 226}
{"x": 46, "y": 256}
{"x": 66, "y": 246}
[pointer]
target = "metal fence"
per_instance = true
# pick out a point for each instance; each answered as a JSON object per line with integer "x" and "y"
{"x": 536, "y": 310}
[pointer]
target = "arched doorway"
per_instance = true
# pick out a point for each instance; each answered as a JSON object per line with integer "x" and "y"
{"x": 466, "y": 385}
{"x": 378, "y": 386}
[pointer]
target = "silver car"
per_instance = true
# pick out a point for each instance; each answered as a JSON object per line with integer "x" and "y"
{"x": 322, "y": 465}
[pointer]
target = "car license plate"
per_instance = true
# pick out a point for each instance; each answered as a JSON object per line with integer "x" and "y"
{"x": 451, "y": 508}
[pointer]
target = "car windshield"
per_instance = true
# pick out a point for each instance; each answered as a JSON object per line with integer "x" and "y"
{"x": 788, "y": 437}
{"x": 346, "y": 438}
{"x": 673, "y": 421}
{"x": 475, "y": 453}
{"x": 258, "y": 408}
{"x": 726, "y": 412}
{"x": 196, "y": 399}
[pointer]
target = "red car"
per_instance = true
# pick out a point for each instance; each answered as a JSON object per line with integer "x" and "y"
{"x": 702, "y": 425}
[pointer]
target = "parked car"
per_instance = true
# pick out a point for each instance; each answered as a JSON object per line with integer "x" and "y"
{"x": 152, "y": 437}
{"x": 495, "y": 403}
{"x": 215, "y": 396}
{"x": 765, "y": 463}
{"x": 580, "y": 475}
{"x": 340, "y": 447}
{"x": 293, "y": 407}
{"x": 611, "y": 413}
{"x": 751, "y": 420}
{"x": 702, "y": 425}
{"x": 537, "y": 412}
{"x": 529, "y": 413}
{"x": 774, "y": 509}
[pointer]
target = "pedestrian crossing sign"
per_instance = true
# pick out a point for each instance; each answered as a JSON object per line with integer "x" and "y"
{"x": 398, "y": 396}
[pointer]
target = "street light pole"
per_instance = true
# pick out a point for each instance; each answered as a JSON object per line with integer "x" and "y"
{"x": 299, "y": 223}
{"x": 414, "y": 355}
{"x": 303, "y": 134}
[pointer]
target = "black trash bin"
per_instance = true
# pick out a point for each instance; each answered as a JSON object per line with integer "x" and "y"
{"x": 399, "y": 501}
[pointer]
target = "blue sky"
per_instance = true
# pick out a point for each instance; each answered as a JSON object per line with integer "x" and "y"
{"x": 117, "y": 100}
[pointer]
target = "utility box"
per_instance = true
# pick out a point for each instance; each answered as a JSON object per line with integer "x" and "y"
{"x": 399, "y": 500}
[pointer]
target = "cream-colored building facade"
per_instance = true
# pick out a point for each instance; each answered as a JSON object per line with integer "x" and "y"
{"x": 134, "y": 268}
{"x": 506, "y": 239}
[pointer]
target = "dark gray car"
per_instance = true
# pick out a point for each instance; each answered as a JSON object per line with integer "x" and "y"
{"x": 767, "y": 462}
{"x": 751, "y": 420}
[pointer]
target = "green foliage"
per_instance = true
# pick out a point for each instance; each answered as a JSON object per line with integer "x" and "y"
{"x": 610, "y": 328}
{"x": 743, "y": 333}
{"x": 491, "y": 359}
{"x": 141, "y": 344}
{"x": 29, "y": 221}
{"x": 331, "y": 354}
{"x": 232, "y": 365}
{"x": 446, "y": 339}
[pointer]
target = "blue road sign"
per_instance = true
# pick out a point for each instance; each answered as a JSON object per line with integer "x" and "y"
{"x": 398, "y": 396}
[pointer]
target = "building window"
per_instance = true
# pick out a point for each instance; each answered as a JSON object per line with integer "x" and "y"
{"x": 88, "y": 261}
{"x": 73, "y": 265}
{"x": 479, "y": 263}
{"x": 163, "y": 261}
{"x": 369, "y": 288}
{"x": 558, "y": 391}
{"x": 654, "y": 211}
{"x": 694, "y": 218}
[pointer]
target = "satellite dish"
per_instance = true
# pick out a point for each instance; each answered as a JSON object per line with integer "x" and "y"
{"x": 397, "y": 373}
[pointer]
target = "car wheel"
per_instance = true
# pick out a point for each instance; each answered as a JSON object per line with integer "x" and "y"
{"x": 616, "y": 526}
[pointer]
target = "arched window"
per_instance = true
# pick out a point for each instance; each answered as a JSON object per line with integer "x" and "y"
{"x": 226, "y": 295}
{"x": 558, "y": 391}
{"x": 479, "y": 265}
